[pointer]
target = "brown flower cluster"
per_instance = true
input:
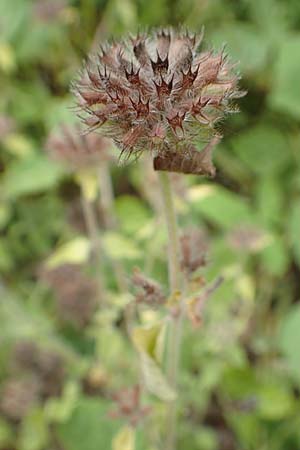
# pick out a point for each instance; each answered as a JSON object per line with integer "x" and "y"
{"x": 17, "y": 397}
{"x": 148, "y": 292}
{"x": 77, "y": 150}
{"x": 45, "y": 366}
{"x": 35, "y": 374}
{"x": 159, "y": 92}
{"x": 128, "y": 405}
{"x": 75, "y": 294}
{"x": 196, "y": 305}
{"x": 194, "y": 250}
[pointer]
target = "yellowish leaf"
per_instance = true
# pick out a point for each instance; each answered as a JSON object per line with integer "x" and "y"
{"x": 73, "y": 252}
{"x": 18, "y": 145}
{"x": 124, "y": 439}
{"x": 88, "y": 182}
{"x": 149, "y": 339}
{"x": 7, "y": 57}
{"x": 119, "y": 247}
{"x": 199, "y": 192}
{"x": 154, "y": 379}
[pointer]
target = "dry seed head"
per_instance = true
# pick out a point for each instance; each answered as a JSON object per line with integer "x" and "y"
{"x": 7, "y": 126}
{"x": 197, "y": 304}
{"x": 17, "y": 397}
{"x": 194, "y": 250}
{"x": 129, "y": 407}
{"x": 77, "y": 150}
{"x": 148, "y": 292}
{"x": 76, "y": 294}
{"x": 48, "y": 10}
{"x": 247, "y": 238}
{"x": 45, "y": 365}
{"x": 159, "y": 92}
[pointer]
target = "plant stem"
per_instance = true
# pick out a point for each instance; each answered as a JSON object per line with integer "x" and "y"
{"x": 106, "y": 196}
{"x": 109, "y": 217}
{"x": 175, "y": 281}
{"x": 92, "y": 229}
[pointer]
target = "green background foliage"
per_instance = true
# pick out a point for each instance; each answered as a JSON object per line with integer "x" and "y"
{"x": 240, "y": 381}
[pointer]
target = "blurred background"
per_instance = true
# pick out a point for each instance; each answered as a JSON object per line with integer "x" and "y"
{"x": 61, "y": 360}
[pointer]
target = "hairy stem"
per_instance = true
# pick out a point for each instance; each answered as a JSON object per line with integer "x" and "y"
{"x": 106, "y": 196}
{"x": 175, "y": 282}
{"x": 109, "y": 219}
{"x": 92, "y": 229}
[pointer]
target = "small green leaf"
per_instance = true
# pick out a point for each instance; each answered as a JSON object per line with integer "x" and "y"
{"x": 34, "y": 432}
{"x": 270, "y": 200}
{"x": 223, "y": 208}
{"x": 30, "y": 175}
{"x": 263, "y": 149}
{"x": 275, "y": 402}
{"x": 285, "y": 95}
{"x": 289, "y": 338}
{"x": 60, "y": 409}
{"x": 6, "y": 434}
{"x": 132, "y": 214}
{"x": 89, "y": 427}
{"x": 120, "y": 247}
{"x": 246, "y": 45}
{"x": 294, "y": 231}
{"x": 275, "y": 256}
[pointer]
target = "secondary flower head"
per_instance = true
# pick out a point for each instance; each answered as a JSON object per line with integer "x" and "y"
{"x": 77, "y": 150}
{"x": 159, "y": 92}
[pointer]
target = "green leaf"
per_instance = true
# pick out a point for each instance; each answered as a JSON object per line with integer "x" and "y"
{"x": 285, "y": 95}
{"x": 263, "y": 149}
{"x": 294, "y": 231}
{"x": 6, "y": 433}
{"x": 30, "y": 175}
{"x": 89, "y": 427}
{"x": 275, "y": 256}
{"x": 34, "y": 431}
{"x": 60, "y": 409}
{"x": 223, "y": 208}
{"x": 289, "y": 338}
{"x": 275, "y": 402}
{"x": 132, "y": 214}
{"x": 120, "y": 247}
{"x": 269, "y": 198}
{"x": 245, "y": 44}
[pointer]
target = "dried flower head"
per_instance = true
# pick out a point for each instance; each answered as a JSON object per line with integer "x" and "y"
{"x": 77, "y": 150}
{"x": 197, "y": 304}
{"x": 48, "y": 10}
{"x": 159, "y": 92}
{"x": 128, "y": 401}
{"x": 7, "y": 126}
{"x": 75, "y": 294}
{"x": 194, "y": 249}
{"x": 17, "y": 397}
{"x": 46, "y": 365}
{"x": 148, "y": 292}
{"x": 247, "y": 238}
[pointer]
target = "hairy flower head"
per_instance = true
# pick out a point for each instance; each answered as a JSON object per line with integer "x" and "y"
{"x": 159, "y": 92}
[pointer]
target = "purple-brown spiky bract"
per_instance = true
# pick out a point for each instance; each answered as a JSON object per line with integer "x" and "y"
{"x": 158, "y": 92}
